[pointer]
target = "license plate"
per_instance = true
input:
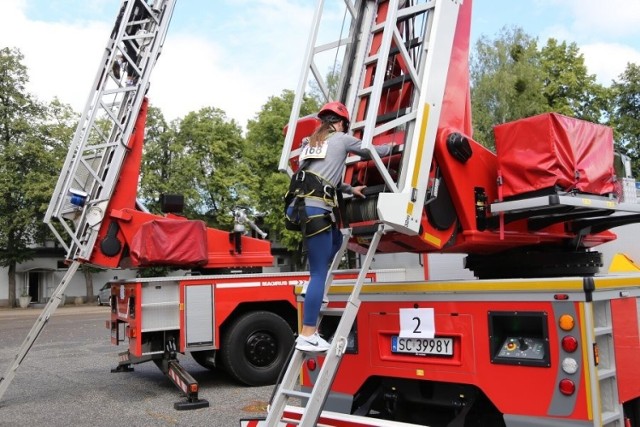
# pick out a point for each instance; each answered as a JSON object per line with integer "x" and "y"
{"x": 437, "y": 346}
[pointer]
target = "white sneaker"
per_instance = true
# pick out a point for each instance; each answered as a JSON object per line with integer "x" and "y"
{"x": 314, "y": 343}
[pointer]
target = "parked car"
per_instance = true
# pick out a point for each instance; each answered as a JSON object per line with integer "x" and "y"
{"x": 104, "y": 294}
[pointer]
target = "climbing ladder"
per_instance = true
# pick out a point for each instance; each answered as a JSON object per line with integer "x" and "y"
{"x": 391, "y": 62}
{"x": 100, "y": 143}
{"x": 316, "y": 398}
{"x": 608, "y": 411}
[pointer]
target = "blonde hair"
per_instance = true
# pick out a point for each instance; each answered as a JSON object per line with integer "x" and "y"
{"x": 321, "y": 134}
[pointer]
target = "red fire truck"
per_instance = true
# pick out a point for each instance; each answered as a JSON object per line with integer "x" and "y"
{"x": 541, "y": 338}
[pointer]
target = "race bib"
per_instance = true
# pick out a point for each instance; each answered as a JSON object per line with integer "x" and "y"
{"x": 309, "y": 152}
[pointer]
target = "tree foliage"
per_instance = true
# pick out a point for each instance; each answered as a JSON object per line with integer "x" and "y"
{"x": 31, "y": 148}
{"x": 512, "y": 78}
{"x": 265, "y": 139}
{"x": 626, "y": 113}
{"x": 199, "y": 157}
{"x": 158, "y": 162}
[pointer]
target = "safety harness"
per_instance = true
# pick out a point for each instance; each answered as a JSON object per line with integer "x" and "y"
{"x": 305, "y": 184}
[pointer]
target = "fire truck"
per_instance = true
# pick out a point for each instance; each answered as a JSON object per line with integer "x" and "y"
{"x": 540, "y": 337}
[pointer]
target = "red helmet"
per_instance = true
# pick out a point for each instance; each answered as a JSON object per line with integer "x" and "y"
{"x": 334, "y": 109}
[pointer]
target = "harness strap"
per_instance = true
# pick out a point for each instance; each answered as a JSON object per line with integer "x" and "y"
{"x": 305, "y": 184}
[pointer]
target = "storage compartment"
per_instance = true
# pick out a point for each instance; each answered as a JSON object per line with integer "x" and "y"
{"x": 556, "y": 152}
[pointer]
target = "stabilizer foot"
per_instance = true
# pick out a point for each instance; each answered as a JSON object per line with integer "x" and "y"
{"x": 189, "y": 405}
{"x": 123, "y": 368}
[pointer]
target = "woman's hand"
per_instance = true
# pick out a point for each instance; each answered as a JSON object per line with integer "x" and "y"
{"x": 357, "y": 191}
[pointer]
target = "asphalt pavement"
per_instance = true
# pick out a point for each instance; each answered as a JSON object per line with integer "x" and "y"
{"x": 65, "y": 379}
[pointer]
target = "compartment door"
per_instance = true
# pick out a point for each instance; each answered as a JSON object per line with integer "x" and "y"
{"x": 198, "y": 316}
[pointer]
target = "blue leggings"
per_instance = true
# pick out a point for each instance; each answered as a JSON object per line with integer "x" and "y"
{"x": 321, "y": 249}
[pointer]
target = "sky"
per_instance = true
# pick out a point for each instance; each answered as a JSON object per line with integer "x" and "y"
{"x": 235, "y": 54}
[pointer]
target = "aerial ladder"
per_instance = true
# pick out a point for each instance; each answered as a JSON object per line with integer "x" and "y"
{"x": 101, "y": 146}
{"x": 383, "y": 37}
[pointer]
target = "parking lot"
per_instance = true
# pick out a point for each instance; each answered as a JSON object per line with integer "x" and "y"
{"x": 66, "y": 380}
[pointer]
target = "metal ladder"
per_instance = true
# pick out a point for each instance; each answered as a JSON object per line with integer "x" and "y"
{"x": 316, "y": 398}
{"x": 100, "y": 144}
{"x": 394, "y": 65}
{"x": 605, "y": 386}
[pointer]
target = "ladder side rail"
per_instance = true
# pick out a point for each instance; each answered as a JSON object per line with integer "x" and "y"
{"x": 403, "y": 210}
{"x": 594, "y": 383}
{"x": 300, "y": 90}
{"x": 334, "y": 355}
{"x": 355, "y": 56}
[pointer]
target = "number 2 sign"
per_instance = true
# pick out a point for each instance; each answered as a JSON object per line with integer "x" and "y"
{"x": 417, "y": 323}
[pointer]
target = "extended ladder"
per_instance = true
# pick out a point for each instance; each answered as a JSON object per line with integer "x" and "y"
{"x": 392, "y": 61}
{"x": 316, "y": 398}
{"x": 100, "y": 144}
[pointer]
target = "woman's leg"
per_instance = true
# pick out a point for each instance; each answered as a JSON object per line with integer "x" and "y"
{"x": 320, "y": 254}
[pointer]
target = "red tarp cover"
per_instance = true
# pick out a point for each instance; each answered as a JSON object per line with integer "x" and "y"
{"x": 170, "y": 242}
{"x": 550, "y": 150}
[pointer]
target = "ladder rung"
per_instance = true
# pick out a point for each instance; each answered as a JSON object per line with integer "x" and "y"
{"x": 332, "y": 311}
{"x": 610, "y": 417}
{"x": 603, "y": 330}
{"x": 296, "y": 393}
{"x": 604, "y": 373}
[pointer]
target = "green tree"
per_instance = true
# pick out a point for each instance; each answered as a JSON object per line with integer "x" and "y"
{"x": 29, "y": 157}
{"x": 200, "y": 157}
{"x": 567, "y": 86}
{"x": 626, "y": 113}
{"x": 511, "y": 79}
{"x": 505, "y": 81}
{"x": 158, "y": 160}
{"x": 265, "y": 140}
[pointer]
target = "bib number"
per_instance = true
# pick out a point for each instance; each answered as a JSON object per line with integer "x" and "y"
{"x": 309, "y": 152}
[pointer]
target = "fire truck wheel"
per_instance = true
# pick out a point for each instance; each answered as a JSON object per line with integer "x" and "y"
{"x": 255, "y": 347}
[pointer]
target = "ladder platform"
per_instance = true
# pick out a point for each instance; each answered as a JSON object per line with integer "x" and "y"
{"x": 586, "y": 210}
{"x": 559, "y": 200}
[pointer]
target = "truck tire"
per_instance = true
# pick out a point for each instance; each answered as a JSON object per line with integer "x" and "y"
{"x": 255, "y": 347}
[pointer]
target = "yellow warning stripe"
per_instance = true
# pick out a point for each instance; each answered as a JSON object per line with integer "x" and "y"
{"x": 617, "y": 282}
{"x": 416, "y": 168}
{"x": 423, "y": 131}
{"x": 556, "y": 286}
